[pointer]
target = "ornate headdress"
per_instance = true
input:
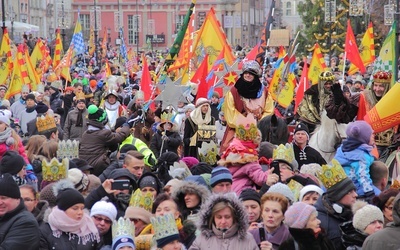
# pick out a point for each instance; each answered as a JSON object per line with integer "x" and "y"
{"x": 138, "y": 199}
{"x": 208, "y": 152}
{"x": 326, "y": 76}
{"x": 382, "y": 77}
{"x": 179, "y": 170}
{"x": 285, "y": 153}
{"x": 123, "y": 232}
{"x": 80, "y": 96}
{"x": 165, "y": 229}
{"x": 54, "y": 170}
{"x": 45, "y": 124}
{"x": 167, "y": 117}
{"x": 68, "y": 149}
{"x": 246, "y": 129}
{"x": 331, "y": 174}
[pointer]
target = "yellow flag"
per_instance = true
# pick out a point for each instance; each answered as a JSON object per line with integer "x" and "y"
{"x": 367, "y": 49}
{"x": 6, "y": 61}
{"x": 63, "y": 67}
{"x": 58, "y": 51}
{"x": 92, "y": 45}
{"x": 273, "y": 88}
{"x": 33, "y": 76}
{"x": 20, "y": 75}
{"x": 317, "y": 65}
{"x": 286, "y": 93}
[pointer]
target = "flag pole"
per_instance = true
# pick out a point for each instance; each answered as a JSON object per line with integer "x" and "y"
{"x": 344, "y": 65}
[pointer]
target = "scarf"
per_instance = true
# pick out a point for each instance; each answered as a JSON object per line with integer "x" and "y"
{"x": 249, "y": 90}
{"x": 31, "y": 109}
{"x": 79, "y": 118}
{"x": 5, "y": 135}
{"x": 199, "y": 118}
{"x": 346, "y": 214}
{"x": 350, "y": 144}
{"x": 19, "y": 180}
{"x": 85, "y": 228}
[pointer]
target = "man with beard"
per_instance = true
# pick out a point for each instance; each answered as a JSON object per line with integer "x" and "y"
{"x": 76, "y": 121}
{"x": 248, "y": 95}
{"x": 120, "y": 198}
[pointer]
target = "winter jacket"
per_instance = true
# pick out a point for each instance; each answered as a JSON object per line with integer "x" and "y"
{"x": 352, "y": 238}
{"x": 159, "y": 145}
{"x": 190, "y": 130}
{"x": 236, "y": 237}
{"x": 150, "y": 159}
{"x": 96, "y": 145}
{"x": 387, "y": 238}
{"x": 280, "y": 235}
{"x": 71, "y": 131}
{"x": 247, "y": 176}
{"x": 19, "y": 229}
{"x": 308, "y": 155}
{"x": 306, "y": 240}
{"x": 56, "y": 102}
{"x": 356, "y": 163}
{"x": 21, "y": 150}
{"x": 179, "y": 196}
{"x": 40, "y": 210}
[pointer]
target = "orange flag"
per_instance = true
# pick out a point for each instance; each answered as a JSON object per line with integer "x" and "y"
{"x": 351, "y": 49}
{"x": 20, "y": 75}
{"x": 303, "y": 86}
{"x": 145, "y": 83}
{"x": 317, "y": 65}
{"x": 367, "y": 49}
{"x": 63, "y": 67}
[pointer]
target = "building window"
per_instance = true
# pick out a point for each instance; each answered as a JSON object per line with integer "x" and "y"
{"x": 179, "y": 22}
{"x": 133, "y": 29}
{"x": 288, "y": 9}
{"x": 85, "y": 23}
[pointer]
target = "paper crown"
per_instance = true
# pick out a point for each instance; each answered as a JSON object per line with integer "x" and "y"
{"x": 40, "y": 88}
{"x": 51, "y": 77}
{"x": 25, "y": 88}
{"x": 326, "y": 76}
{"x": 179, "y": 170}
{"x": 166, "y": 117}
{"x": 57, "y": 84}
{"x": 208, "y": 152}
{"x": 138, "y": 199}
{"x": 382, "y": 77}
{"x": 123, "y": 230}
{"x": 68, "y": 149}
{"x": 164, "y": 226}
{"x": 45, "y": 124}
{"x": 295, "y": 187}
{"x": 331, "y": 174}
{"x": 283, "y": 152}
{"x": 79, "y": 96}
{"x": 54, "y": 170}
{"x": 246, "y": 129}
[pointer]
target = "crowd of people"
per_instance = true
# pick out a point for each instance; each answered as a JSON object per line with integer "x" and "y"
{"x": 91, "y": 166}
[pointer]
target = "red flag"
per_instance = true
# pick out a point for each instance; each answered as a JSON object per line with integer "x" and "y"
{"x": 351, "y": 49}
{"x": 252, "y": 55}
{"x": 200, "y": 78}
{"x": 145, "y": 84}
{"x": 303, "y": 86}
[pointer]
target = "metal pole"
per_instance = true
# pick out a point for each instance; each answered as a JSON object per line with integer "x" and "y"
{"x": 97, "y": 55}
{"x": 3, "y": 12}
{"x": 137, "y": 29}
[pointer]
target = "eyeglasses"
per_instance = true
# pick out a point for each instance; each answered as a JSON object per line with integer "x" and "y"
{"x": 99, "y": 219}
{"x": 28, "y": 199}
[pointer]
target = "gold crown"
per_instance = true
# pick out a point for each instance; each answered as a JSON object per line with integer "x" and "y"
{"x": 123, "y": 228}
{"x": 68, "y": 149}
{"x": 247, "y": 128}
{"x": 283, "y": 152}
{"x": 54, "y": 170}
{"x": 45, "y": 123}
{"x": 208, "y": 152}
{"x": 179, "y": 170}
{"x": 166, "y": 117}
{"x": 164, "y": 226}
{"x": 295, "y": 187}
{"x": 327, "y": 76}
{"x": 382, "y": 77}
{"x": 79, "y": 96}
{"x": 331, "y": 174}
{"x": 138, "y": 199}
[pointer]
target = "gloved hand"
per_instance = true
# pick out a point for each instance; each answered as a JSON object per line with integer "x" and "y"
{"x": 337, "y": 93}
{"x": 30, "y": 176}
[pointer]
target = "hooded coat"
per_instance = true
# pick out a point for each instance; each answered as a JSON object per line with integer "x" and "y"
{"x": 159, "y": 145}
{"x": 236, "y": 237}
{"x": 387, "y": 238}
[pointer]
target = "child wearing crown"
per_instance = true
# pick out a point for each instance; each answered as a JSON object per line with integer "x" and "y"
{"x": 241, "y": 156}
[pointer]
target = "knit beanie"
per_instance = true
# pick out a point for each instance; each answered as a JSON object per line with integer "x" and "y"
{"x": 340, "y": 189}
{"x": 198, "y": 179}
{"x": 92, "y": 83}
{"x": 104, "y": 208}
{"x": 96, "y": 114}
{"x": 220, "y": 174}
{"x": 8, "y": 187}
{"x": 282, "y": 189}
{"x": 302, "y": 127}
{"x": 41, "y": 108}
{"x": 79, "y": 179}
{"x": 298, "y": 215}
{"x": 365, "y": 214}
{"x": 11, "y": 163}
{"x": 308, "y": 189}
{"x": 48, "y": 195}
{"x": 250, "y": 194}
{"x": 201, "y": 168}
{"x": 190, "y": 161}
{"x": 69, "y": 197}
{"x": 359, "y": 130}
{"x": 4, "y": 118}
{"x": 148, "y": 181}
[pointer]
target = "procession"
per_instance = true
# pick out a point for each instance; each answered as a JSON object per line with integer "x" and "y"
{"x": 274, "y": 143}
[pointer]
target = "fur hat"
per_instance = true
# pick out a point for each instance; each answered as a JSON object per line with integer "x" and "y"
{"x": 298, "y": 215}
{"x": 11, "y": 163}
{"x": 8, "y": 187}
{"x": 359, "y": 130}
{"x": 220, "y": 174}
{"x": 365, "y": 214}
{"x": 283, "y": 189}
{"x": 104, "y": 208}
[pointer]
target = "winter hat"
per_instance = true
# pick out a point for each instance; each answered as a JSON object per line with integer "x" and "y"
{"x": 11, "y": 163}
{"x": 48, "y": 195}
{"x": 302, "y": 127}
{"x": 198, "y": 179}
{"x": 383, "y": 197}
{"x": 148, "y": 181}
{"x": 220, "y": 174}
{"x": 4, "y": 118}
{"x": 365, "y": 214}
{"x": 30, "y": 97}
{"x": 96, "y": 114}
{"x": 68, "y": 197}
{"x": 201, "y": 168}
{"x": 189, "y": 106}
{"x": 340, "y": 189}
{"x": 252, "y": 67}
{"x": 138, "y": 213}
{"x": 359, "y": 130}
{"x": 81, "y": 164}
{"x": 282, "y": 189}
{"x": 310, "y": 188}
{"x": 298, "y": 215}
{"x": 104, "y": 208}
{"x": 190, "y": 161}
{"x": 79, "y": 179}
{"x": 92, "y": 83}
{"x": 250, "y": 194}
{"x": 201, "y": 101}
{"x": 8, "y": 187}
{"x": 120, "y": 121}
{"x": 135, "y": 86}
{"x": 41, "y": 108}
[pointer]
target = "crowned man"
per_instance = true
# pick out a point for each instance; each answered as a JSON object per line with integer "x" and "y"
{"x": 113, "y": 107}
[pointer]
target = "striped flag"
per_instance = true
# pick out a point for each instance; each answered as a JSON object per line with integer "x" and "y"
{"x": 20, "y": 75}
{"x": 317, "y": 65}
{"x": 58, "y": 50}
{"x": 63, "y": 67}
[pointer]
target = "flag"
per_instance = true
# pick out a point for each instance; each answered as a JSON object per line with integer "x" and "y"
{"x": 317, "y": 65}
{"x": 286, "y": 92}
{"x": 175, "y": 48}
{"x": 303, "y": 86}
{"x": 266, "y": 33}
{"x": 367, "y": 49}
{"x": 200, "y": 79}
{"x": 145, "y": 82}
{"x": 92, "y": 45}
{"x": 33, "y": 75}
{"x": 107, "y": 68}
{"x": 351, "y": 49}
{"x": 273, "y": 87}
{"x": 6, "y": 58}
{"x": 282, "y": 51}
{"x": 252, "y": 55}
{"x": 63, "y": 67}
{"x": 387, "y": 56}
{"x": 123, "y": 50}
{"x": 58, "y": 50}
{"x": 210, "y": 40}
{"x": 77, "y": 39}
{"x": 20, "y": 75}
{"x": 386, "y": 113}
{"x": 40, "y": 58}
{"x": 104, "y": 45}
